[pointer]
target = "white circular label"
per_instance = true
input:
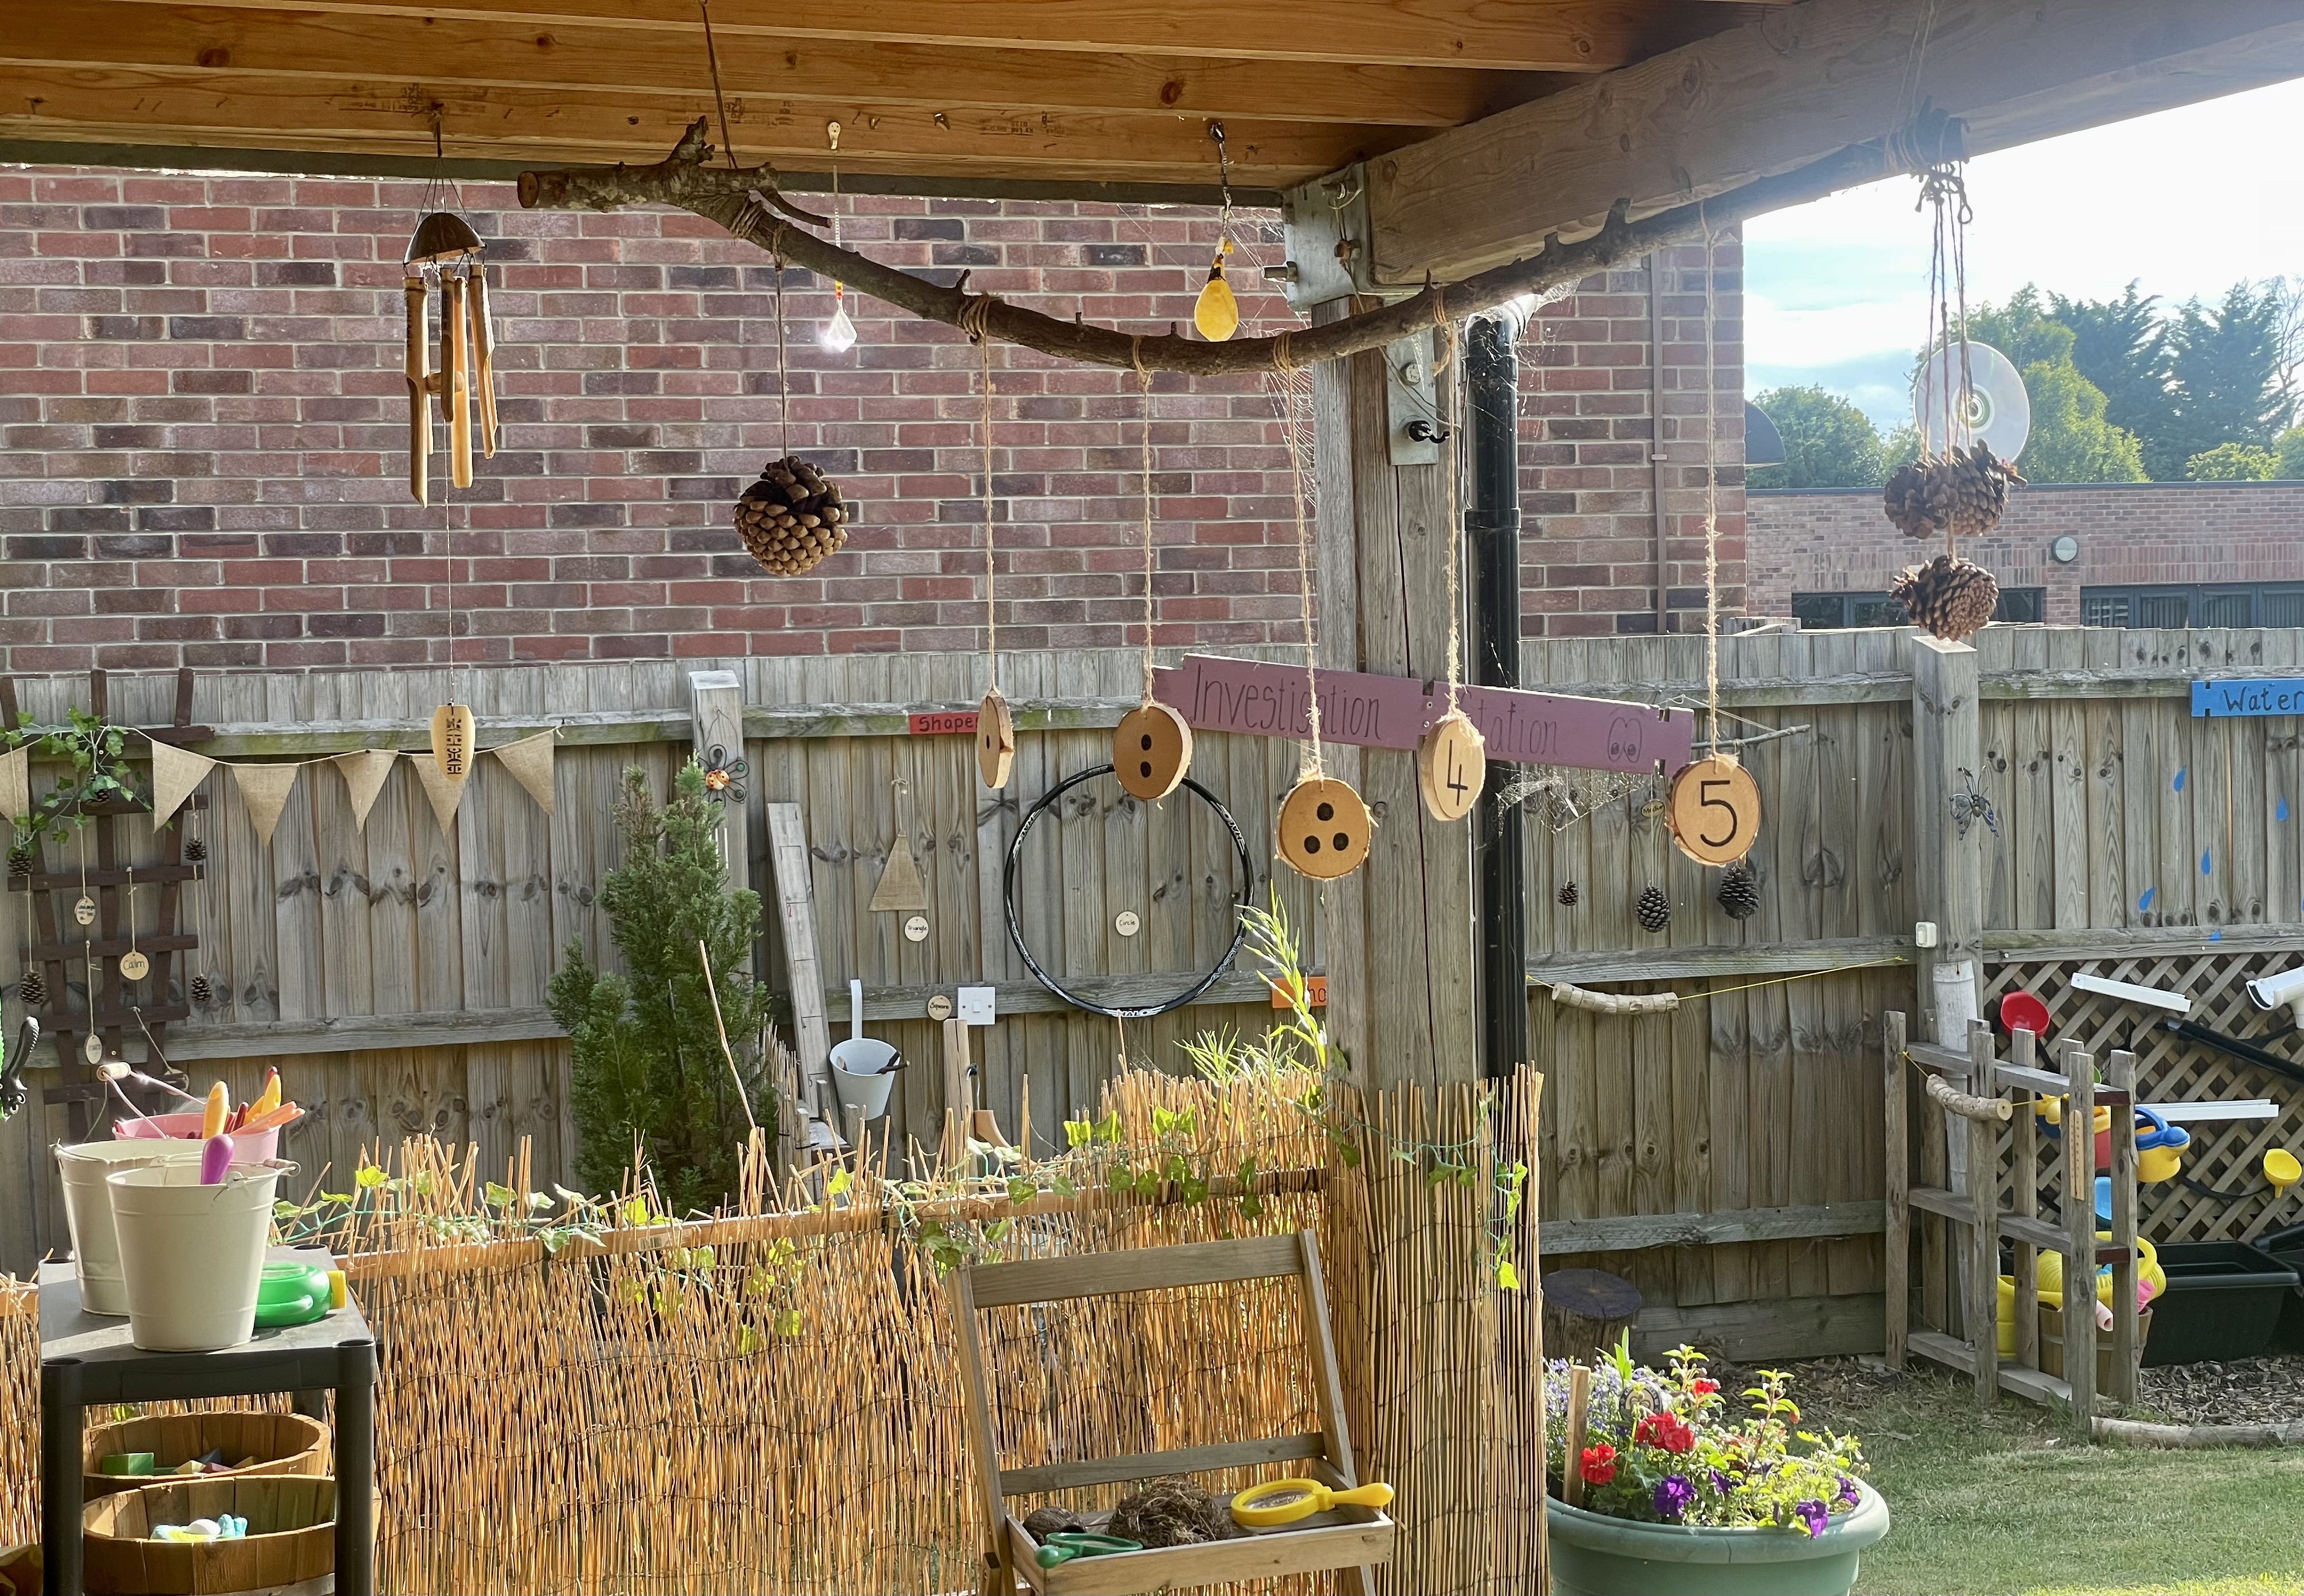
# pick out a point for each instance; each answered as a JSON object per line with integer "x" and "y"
{"x": 84, "y": 911}
{"x": 94, "y": 1048}
{"x": 1126, "y": 923}
{"x": 939, "y": 1008}
{"x": 916, "y": 929}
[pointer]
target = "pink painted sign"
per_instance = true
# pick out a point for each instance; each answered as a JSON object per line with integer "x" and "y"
{"x": 1217, "y": 695}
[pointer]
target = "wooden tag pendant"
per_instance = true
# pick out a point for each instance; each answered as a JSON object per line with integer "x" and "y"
{"x": 1151, "y": 750}
{"x": 1714, "y": 811}
{"x": 995, "y": 740}
{"x": 452, "y": 737}
{"x": 1452, "y": 761}
{"x": 1325, "y": 829}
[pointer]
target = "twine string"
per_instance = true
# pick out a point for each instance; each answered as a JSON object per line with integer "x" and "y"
{"x": 1144, "y": 388}
{"x": 1453, "y": 465}
{"x": 783, "y": 361}
{"x": 975, "y": 321}
{"x": 1711, "y": 495}
{"x": 1293, "y": 433}
{"x": 720, "y": 100}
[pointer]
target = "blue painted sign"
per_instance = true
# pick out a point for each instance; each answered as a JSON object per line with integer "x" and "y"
{"x": 2250, "y": 695}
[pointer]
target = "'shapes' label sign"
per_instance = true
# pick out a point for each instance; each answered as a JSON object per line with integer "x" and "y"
{"x": 1218, "y": 694}
{"x": 944, "y": 722}
{"x": 2259, "y": 695}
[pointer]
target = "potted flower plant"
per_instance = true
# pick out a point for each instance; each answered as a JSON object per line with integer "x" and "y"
{"x": 1687, "y": 1491}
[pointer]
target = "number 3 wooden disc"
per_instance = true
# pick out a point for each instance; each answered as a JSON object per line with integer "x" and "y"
{"x": 1151, "y": 750}
{"x": 1325, "y": 829}
{"x": 995, "y": 740}
{"x": 1714, "y": 811}
{"x": 1451, "y": 764}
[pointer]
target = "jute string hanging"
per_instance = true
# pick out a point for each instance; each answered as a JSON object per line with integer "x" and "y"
{"x": 1152, "y": 745}
{"x": 1452, "y": 756}
{"x": 995, "y": 726}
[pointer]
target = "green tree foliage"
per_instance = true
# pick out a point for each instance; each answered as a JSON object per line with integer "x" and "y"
{"x": 648, "y": 1064}
{"x": 2121, "y": 346}
{"x": 2234, "y": 463}
{"x": 1828, "y": 442}
{"x": 2072, "y": 439}
{"x": 2225, "y": 362}
{"x": 2288, "y": 454}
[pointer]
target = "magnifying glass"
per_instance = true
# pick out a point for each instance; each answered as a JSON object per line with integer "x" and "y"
{"x": 1285, "y": 1502}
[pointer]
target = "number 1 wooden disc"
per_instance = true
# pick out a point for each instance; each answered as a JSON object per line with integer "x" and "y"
{"x": 1452, "y": 761}
{"x": 1325, "y": 829}
{"x": 453, "y": 736}
{"x": 1714, "y": 811}
{"x": 1151, "y": 750}
{"x": 995, "y": 740}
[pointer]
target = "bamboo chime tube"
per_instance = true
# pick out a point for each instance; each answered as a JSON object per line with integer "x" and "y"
{"x": 483, "y": 356}
{"x": 420, "y": 393}
{"x": 455, "y": 361}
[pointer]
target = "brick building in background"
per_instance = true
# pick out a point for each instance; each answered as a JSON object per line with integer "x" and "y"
{"x": 203, "y": 459}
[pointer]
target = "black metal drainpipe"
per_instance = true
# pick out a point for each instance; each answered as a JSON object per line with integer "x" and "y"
{"x": 1492, "y": 535}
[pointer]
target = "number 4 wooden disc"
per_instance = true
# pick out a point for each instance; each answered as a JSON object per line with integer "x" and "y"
{"x": 995, "y": 740}
{"x": 1714, "y": 811}
{"x": 1325, "y": 829}
{"x": 1451, "y": 763}
{"x": 1151, "y": 750}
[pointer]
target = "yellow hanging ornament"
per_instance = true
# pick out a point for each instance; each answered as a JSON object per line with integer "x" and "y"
{"x": 1216, "y": 312}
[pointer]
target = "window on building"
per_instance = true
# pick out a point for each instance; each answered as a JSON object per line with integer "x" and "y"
{"x": 2242, "y": 604}
{"x": 1819, "y": 610}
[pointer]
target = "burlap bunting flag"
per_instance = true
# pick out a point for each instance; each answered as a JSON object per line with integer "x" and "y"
{"x": 176, "y": 773}
{"x": 364, "y": 775}
{"x": 445, "y": 790}
{"x": 264, "y": 789}
{"x": 530, "y": 761}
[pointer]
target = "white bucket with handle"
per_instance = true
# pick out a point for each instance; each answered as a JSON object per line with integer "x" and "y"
{"x": 863, "y": 1071}
{"x": 193, "y": 1255}
{"x": 87, "y": 1210}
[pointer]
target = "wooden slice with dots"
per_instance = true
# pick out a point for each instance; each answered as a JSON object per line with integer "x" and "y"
{"x": 1714, "y": 810}
{"x": 1325, "y": 829}
{"x": 995, "y": 740}
{"x": 453, "y": 735}
{"x": 1452, "y": 761}
{"x": 1151, "y": 750}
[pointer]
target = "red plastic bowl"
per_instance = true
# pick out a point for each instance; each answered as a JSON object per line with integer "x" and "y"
{"x": 2020, "y": 1011}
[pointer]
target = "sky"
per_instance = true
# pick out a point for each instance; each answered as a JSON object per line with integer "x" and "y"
{"x": 2186, "y": 202}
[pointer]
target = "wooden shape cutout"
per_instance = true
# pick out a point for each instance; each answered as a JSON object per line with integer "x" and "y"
{"x": 901, "y": 890}
{"x": 453, "y": 735}
{"x": 175, "y": 772}
{"x": 264, "y": 788}
{"x": 1451, "y": 763}
{"x": 530, "y": 761}
{"x": 1325, "y": 829}
{"x": 1151, "y": 750}
{"x": 1714, "y": 811}
{"x": 995, "y": 740}
{"x": 445, "y": 791}
{"x": 364, "y": 774}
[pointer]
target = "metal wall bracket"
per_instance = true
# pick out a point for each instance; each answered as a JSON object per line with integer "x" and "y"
{"x": 1411, "y": 402}
{"x": 1328, "y": 242}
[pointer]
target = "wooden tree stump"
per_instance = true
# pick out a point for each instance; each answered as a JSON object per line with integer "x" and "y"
{"x": 1586, "y": 1312}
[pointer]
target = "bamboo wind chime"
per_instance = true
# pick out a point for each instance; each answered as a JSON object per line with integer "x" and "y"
{"x": 445, "y": 249}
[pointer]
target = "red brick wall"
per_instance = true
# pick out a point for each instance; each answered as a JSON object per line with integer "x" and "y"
{"x": 2129, "y": 534}
{"x": 202, "y": 456}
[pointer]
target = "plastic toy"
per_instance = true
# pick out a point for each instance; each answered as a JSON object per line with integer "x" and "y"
{"x": 1285, "y": 1502}
{"x": 291, "y": 1294}
{"x": 1066, "y": 1545}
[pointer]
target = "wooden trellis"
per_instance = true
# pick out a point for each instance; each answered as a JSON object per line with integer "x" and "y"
{"x": 2226, "y": 1155}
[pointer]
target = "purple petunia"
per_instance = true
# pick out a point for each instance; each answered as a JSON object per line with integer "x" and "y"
{"x": 1848, "y": 1491}
{"x": 1722, "y": 1482}
{"x": 1672, "y": 1495}
{"x": 1810, "y": 1514}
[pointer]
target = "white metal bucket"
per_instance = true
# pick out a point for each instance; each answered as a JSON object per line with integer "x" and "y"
{"x": 856, "y": 1075}
{"x": 193, "y": 1255}
{"x": 87, "y": 1210}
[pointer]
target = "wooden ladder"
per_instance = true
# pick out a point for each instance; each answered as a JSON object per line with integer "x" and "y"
{"x": 1961, "y": 1102}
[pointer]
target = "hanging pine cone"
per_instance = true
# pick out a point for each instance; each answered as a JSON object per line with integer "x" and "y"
{"x": 1653, "y": 910}
{"x": 21, "y": 857}
{"x": 1568, "y": 896}
{"x": 1740, "y": 892}
{"x": 196, "y": 851}
{"x": 1950, "y": 597}
{"x": 199, "y": 989}
{"x": 33, "y": 989}
{"x": 1963, "y": 491}
{"x": 792, "y": 517}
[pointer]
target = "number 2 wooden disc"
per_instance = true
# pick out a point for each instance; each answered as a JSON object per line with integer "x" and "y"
{"x": 1325, "y": 829}
{"x": 1452, "y": 761}
{"x": 1151, "y": 750}
{"x": 1714, "y": 811}
{"x": 995, "y": 740}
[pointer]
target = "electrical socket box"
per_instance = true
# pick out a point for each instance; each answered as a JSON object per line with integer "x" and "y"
{"x": 976, "y": 1006}
{"x": 1924, "y": 934}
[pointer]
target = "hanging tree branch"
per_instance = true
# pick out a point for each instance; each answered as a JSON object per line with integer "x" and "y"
{"x": 684, "y": 179}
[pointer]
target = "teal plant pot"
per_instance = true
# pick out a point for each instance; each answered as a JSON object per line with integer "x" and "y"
{"x": 1596, "y": 1556}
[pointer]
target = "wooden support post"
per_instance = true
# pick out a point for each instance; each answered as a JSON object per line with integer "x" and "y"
{"x": 2023, "y": 1050}
{"x": 1983, "y": 1138}
{"x": 717, "y": 701}
{"x": 796, "y": 907}
{"x": 1898, "y": 1279}
{"x": 959, "y": 1089}
{"x": 2120, "y": 1072}
{"x": 2079, "y": 1201}
{"x": 1948, "y": 839}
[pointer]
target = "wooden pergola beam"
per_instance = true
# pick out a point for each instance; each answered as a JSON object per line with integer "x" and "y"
{"x": 1794, "y": 85}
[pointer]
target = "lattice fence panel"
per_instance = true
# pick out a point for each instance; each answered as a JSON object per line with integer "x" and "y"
{"x": 2226, "y": 1155}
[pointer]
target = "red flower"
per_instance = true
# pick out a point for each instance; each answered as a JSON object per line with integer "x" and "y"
{"x": 1599, "y": 1465}
{"x": 1668, "y": 1432}
{"x": 1703, "y": 1387}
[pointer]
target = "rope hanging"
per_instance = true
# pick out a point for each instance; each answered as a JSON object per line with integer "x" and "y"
{"x": 972, "y": 321}
{"x": 1312, "y": 761}
{"x": 1144, "y": 391}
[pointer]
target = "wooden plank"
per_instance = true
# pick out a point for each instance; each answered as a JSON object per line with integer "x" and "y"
{"x": 2076, "y": 1197}
{"x": 1951, "y": 855}
{"x": 1896, "y": 1204}
{"x": 717, "y": 705}
{"x": 1142, "y": 1269}
{"x": 795, "y": 907}
{"x": 2115, "y": 942}
{"x": 1265, "y": 1555}
{"x": 2067, "y": 770}
{"x": 1634, "y": 1232}
{"x": 1983, "y": 1261}
{"x": 1753, "y": 1331}
{"x": 1151, "y": 1465}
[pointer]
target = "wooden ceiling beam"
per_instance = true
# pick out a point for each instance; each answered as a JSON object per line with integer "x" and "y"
{"x": 1794, "y": 86}
{"x": 220, "y": 109}
{"x": 846, "y": 76}
{"x": 1575, "y": 35}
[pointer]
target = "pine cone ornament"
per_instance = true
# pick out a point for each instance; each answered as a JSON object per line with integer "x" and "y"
{"x": 1950, "y": 597}
{"x": 792, "y": 517}
{"x": 33, "y": 989}
{"x": 1740, "y": 892}
{"x": 196, "y": 851}
{"x": 1568, "y": 896}
{"x": 1653, "y": 910}
{"x": 21, "y": 857}
{"x": 199, "y": 989}
{"x": 1963, "y": 491}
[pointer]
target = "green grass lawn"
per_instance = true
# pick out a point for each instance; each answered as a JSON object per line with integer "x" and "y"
{"x": 2004, "y": 1502}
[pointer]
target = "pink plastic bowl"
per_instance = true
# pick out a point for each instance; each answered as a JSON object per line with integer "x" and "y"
{"x": 248, "y": 1147}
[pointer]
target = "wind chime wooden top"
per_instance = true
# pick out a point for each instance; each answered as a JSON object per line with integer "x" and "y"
{"x": 465, "y": 382}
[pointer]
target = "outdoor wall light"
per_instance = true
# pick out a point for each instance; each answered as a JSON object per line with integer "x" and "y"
{"x": 2065, "y": 549}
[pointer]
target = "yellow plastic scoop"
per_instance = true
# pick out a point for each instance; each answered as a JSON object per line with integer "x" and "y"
{"x": 2281, "y": 1171}
{"x": 1285, "y": 1502}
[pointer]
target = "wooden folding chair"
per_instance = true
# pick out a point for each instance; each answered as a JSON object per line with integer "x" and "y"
{"x": 1351, "y": 1538}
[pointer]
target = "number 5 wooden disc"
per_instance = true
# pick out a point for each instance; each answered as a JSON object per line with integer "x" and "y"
{"x": 1451, "y": 764}
{"x": 1151, "y": 750}
{"x": 1714, "y": 811}
{"x": 995, "y": 740}
{"x": 1325, "y": 829}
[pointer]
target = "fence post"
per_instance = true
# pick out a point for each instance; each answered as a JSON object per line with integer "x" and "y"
{"x": 1950, "y": 832}
{"x": 718, "y": 719}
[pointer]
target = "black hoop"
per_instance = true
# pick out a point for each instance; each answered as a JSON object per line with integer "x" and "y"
{"x": 1240, "y": 922}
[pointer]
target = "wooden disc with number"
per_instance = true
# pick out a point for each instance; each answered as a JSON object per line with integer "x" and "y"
{"x": 1151, "y": 750}
{"x": 453, "y": 733}
{"x": 995, "y": 739}
{"x": 1714, "y": 811}
{"x": 1452, "y": 761}
{"x": 1325, "y": 829}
